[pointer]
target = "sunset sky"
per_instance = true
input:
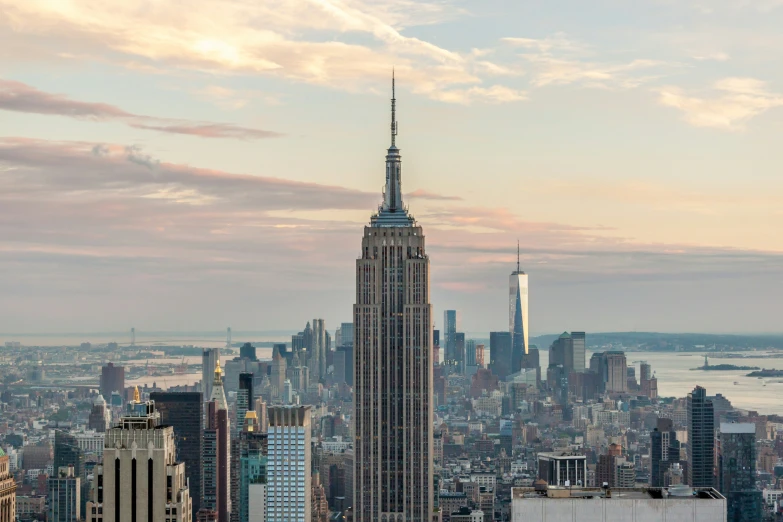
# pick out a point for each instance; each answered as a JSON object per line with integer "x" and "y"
{"x": 192, "y": 165}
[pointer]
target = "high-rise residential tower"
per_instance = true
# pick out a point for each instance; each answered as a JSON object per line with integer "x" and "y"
{"x": 451, "y": 320}
{"x": 701, "y": 439}
{"x": 518, "y": 325}
{"x": 318, "y": 357}
{"x": 288, "y": 464}
{"x": 393, "y": 411}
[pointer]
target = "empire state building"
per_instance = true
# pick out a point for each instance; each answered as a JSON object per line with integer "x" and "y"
{"x": 393, "y": 475}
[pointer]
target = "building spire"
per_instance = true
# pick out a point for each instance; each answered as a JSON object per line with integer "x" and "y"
{"x": 393, "y": 114}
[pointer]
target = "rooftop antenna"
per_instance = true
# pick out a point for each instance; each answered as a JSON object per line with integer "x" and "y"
{"x": 517, "y": 255}
{"x": 393, "y": 115}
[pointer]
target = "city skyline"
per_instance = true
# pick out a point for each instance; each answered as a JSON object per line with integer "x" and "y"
{"x": 159, "y": 179}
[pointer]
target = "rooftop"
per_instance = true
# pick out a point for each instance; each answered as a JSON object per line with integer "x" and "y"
{"x": 737, "y": 427}
{"x": 672, "y": 493}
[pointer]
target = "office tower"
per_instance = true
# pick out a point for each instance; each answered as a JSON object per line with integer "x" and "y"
{"x": 701, "y": 439}
{"x": 7, "y": 490}
{"x": 459, "y": 351}
{"x": 248, "y": 351}
{"x": 183, "y": 412}
{"x": 578, "y": 340}
{"x": 561, "y": 353}
{"x": 140, "y": 478}
{"x": 518, "y": 325}
{"x": 209, "y": 359}
{"x": 470, "y": 357}
{"x": 112, "y": 379}
{"x": 451, "y": 323}
{"x": 288, "y": 464}
{"x": 393, "y": 414}
{"x": 737, "y": 471}
{"x": 346, "y": 335}
{"x": 217, "y": 422}
{"x": 278, "y": 373}
{"x": 64, "y": 496}
{"x": 500, "y": 354}
{"x": 339, "y": 363}
{"x": 100, "y": 415}
{"x": 245, "y": 399}
{"x": 664, "y": 451}
{"x": 436, "y": 346}
{"x": 616, "y": 376}
{"x": 647, "y": 381}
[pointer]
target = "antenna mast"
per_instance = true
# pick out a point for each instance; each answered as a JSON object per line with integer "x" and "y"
{"x": 517, "y": 255}
{"x": 393, "y": 115}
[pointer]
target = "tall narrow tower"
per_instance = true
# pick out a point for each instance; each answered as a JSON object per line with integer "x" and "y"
{"x": 393, "y": 474}
{"x": 517, "y": 316}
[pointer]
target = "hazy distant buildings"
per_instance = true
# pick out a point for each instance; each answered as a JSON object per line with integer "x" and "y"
{"x": 112, "y": 380}
{"x": 100, "y": 415}
{"x": 393, "y": 411}
{"x": 701, "y": 439}
{"x": 248, "y": 351}
{"x": 182, "y": 411}
{"x": 612, "y": 367}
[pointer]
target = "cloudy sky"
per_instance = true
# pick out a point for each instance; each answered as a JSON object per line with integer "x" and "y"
{"x": 192, "y": 165}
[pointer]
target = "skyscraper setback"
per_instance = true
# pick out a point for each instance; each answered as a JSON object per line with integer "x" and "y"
{"x": 393, "y": 415}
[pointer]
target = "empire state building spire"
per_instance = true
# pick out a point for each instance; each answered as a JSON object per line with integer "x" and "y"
{"x": 393, "y": 212}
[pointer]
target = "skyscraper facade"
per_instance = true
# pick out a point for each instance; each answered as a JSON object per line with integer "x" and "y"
{"x": 140, "y": 478}
{"x": 219, "y": 422}
{"x": 518, "y": 325}
{"x": 664, "y": 451}
{"x": 701, "y": 439}
{"x": 578, "y": 339}
{"x": 616, "y": 376}
{"x": 182, "y": 411}
{"x": 737, "y": 471}
{"x": 7, "y": 490}
{"x": 288, "y": 464}
{"x": 64, "y": 496}
{"x": 500, "y": 354}
{"x": 393, "y": 413}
